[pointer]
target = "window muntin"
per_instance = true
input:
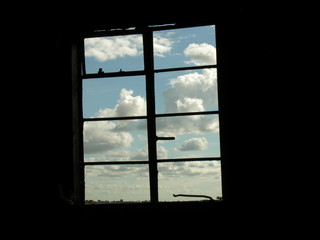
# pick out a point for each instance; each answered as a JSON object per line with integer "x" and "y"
{"x": 192, "y": 64}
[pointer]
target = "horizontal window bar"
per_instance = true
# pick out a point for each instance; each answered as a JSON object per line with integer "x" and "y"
{"x": 159, "y": 161}
{"x": 113, "y": 32}
{"x": 178, "y": 26}
{"x": 113, "y": 74}
{"x": 184, "y": 68}
{"x": 116, "y": 162}
{"x": 186, "y": 114}
{"x": 141, "y": 72}
{"x": 145, "y": 117}
{"x": 113, "y": 118}
{"x": 139, "y": 29}
{"x": 189, "y": 159}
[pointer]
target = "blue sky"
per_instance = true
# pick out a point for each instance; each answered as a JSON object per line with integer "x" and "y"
{"x": 180, "y": 91}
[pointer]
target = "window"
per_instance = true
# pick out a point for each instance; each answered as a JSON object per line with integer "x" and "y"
{"x": 147, "y": 115}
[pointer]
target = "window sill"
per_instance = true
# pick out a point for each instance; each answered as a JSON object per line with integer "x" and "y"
{"x": 159, "y": 208}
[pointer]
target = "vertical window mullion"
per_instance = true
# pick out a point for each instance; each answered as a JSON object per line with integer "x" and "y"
{"x": 77, "y": 123}
{"x": 151, "y": 120}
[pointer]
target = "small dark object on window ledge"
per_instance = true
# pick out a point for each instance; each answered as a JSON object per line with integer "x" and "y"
{"x": 100, "y": 71}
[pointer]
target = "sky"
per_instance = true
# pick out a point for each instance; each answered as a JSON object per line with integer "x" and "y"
{"x": 125, "y": 140}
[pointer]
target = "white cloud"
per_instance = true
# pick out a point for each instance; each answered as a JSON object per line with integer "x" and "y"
{"x": 170, "y": 169}
{"x": 174, "y": 126}
{"x": 140, "y": 154}
{"x": 118, "y": 171}
{"x": 190, "y": 104}
{"x": 201, "y": 54}
{"x": 128, "y": 105}
{"x": 180, "y": 169}
{"x": 193, "y": 144}
{"x": 110, "y": 48}
{"x": 161, "y": 45}
{"x": 198, "y": 88}
{"x": 101, "y": 137}
{"x": 192, "y": 92}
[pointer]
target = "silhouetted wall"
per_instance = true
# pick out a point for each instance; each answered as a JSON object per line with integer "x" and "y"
{"x": 255, "y": 43}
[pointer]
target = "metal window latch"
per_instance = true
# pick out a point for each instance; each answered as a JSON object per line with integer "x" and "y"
{"x": 165, "y": 138}
{"x": 193, "y": 195}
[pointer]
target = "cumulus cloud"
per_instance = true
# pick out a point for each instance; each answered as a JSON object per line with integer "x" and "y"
{"x": 192, "y": 92}
{"x": 190, "y": 104}
{"x": 104, "y": 136}
{"x": 201, "y": 54}
{"x": 109, "y": 48}
{"x": 101, "y": 137}
{"x": 161, "y": 45}
{"x": 128, "y": 105}
{"x": 193, "y": 144}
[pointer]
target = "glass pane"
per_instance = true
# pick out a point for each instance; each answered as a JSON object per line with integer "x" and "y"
{"x": 115, "y": 140}
{"x": 114, "y": 97}
{"x": 117, "y": 184}
{"x": 195, "y": 136}
{"x": 186, "y": 91}
{"x": 114, "y": 54}
{"x": 184, "y": 47}
{"x": 195, "y": 178}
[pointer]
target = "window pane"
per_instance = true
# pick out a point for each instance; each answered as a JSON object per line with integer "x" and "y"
{"x": 114, "y": 54}
{"x": 196, "y": 178}
{"x": 184, "y": 47}
{"x": 195, "y": 136}
{"x": 117, "y": 183}
{"x": 114, "y": 97}
{"x": 186, "y": 91}
{"x": 115, "y": 140}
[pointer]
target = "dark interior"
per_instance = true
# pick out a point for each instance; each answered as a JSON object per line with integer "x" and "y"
{"x": 255, "y": 46}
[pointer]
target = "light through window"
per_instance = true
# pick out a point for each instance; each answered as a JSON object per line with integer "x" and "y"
{"x": 150, "y": 115}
